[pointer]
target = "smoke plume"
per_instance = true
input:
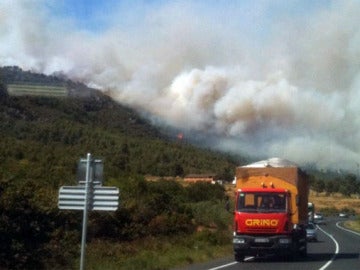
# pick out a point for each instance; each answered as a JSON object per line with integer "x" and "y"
{"x": 284, "y": 84}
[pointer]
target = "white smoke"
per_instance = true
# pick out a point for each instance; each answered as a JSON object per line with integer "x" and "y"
{"x": 285, "y": 86}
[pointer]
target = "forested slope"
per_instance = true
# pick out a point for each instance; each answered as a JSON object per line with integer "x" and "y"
{"x": 42, "y": 139}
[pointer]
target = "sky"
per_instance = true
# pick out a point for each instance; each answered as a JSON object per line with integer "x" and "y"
{"x": 268, "y": 78}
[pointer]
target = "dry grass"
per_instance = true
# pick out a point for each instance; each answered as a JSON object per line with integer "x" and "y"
{"x": 353, "y": 224}
{"x": 338, "y": 201}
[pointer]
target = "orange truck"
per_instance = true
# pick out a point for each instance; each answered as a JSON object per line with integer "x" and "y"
{"x": 271, "y": 209}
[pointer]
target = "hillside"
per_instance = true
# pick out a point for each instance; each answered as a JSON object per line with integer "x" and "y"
{"x": 42, "y": 139}
{"x": 92, "y": 122}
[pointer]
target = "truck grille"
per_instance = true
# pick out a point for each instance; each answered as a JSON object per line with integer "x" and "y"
{"x": 263, "y": 245}
{"x": 260, "y": 230}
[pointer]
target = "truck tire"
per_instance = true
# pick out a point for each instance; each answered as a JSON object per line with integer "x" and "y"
{"x": 303, "y": 252}
{"x": 239, "y": 257}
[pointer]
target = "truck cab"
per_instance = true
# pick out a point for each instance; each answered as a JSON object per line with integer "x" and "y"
{"x": 266, "y": 209}
{"x": 270, "y": 211}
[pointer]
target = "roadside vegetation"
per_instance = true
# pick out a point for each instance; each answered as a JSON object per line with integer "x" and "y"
{"x": 335, "y": 193}
{"x": 344, "y": 184}
{"x": 330, "y": 205}
{"x": 353, "y": 224}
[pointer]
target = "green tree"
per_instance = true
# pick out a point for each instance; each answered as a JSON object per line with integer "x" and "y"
{"x": 348, "y": 185}
{"x": 332, "y": 186}
{"x": 25, "y": 227}
{"x": 3, "y": 92}
{"x": 318, "y": 185}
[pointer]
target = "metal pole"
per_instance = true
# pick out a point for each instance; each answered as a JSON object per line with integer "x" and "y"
{"x": 87, "y": 185}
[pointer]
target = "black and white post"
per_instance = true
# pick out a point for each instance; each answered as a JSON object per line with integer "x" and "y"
{"x": 88, "y": 181}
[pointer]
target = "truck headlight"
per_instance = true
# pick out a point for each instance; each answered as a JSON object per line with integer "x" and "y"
{"x": 239, "y": 241}
{"x": 285, "y": 241}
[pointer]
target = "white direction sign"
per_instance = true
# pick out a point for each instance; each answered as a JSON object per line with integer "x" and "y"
{"x": 99, "y": 198}
{"x": 88, "y": 195}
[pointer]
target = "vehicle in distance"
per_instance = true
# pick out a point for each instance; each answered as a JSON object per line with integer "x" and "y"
{"x": 343, "y": 215}
{"x": 319, "y": 219}
{"x": 311, "y": 234}
{"x": 311, "y": 212}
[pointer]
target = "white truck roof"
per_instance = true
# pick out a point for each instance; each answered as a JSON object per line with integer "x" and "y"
{"x": 272, "y": 162}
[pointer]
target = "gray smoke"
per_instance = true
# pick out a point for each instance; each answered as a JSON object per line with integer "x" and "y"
{"x": 286, "y": 86}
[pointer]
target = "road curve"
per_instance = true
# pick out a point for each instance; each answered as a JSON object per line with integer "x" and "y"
{"x": 336, "y": 248}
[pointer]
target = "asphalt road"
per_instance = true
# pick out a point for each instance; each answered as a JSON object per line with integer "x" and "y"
{"x": 337, "y": 248}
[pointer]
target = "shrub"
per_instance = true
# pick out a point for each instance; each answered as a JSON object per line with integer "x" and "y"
{"x": 202, "y": 191}
{"x": 211, "y": 214}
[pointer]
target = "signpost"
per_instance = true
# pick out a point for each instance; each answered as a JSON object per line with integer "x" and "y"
{"x": 102, "y": 198}
{"x": 89, "y": 194}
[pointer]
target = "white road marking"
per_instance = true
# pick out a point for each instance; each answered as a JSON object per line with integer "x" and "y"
{"x": 223, "y": 266}
{"x": 230, "y": 264}
{"x": 344, "y": 229}
{"x": 336, "y": 250}
{"x": 322, "y": 268}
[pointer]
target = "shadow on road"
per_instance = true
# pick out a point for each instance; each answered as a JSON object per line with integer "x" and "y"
{"x": 311, "y": 257}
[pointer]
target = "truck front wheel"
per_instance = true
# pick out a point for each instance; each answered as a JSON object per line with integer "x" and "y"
{"x": 239, "y": 257}
{"x": 303, "y": 252}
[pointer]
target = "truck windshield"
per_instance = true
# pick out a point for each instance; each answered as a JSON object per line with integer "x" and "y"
{"x": 261, "y": 202}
